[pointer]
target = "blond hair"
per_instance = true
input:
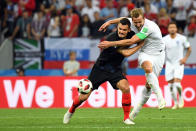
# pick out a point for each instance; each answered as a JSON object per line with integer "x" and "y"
{"x": 135, "y": 13}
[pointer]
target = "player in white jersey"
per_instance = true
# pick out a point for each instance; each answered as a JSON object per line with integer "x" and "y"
{"x": 175, "y": 60}
{"x": 151, "y": 57}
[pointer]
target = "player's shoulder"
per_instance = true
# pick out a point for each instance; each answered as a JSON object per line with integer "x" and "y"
{"x": 166, "y": 37}
{"x": 111, "y": 36}
{"x": 181, "y": 37}
{"x": 149, "y": 22}
{"x": 130, "y": 34}
{"x": 150, "y": 25}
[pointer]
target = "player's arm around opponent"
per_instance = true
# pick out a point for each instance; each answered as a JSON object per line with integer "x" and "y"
{"x": 148, "y": 59}
{"x": 131, "y": 51}
{"x": 125, "y": 42}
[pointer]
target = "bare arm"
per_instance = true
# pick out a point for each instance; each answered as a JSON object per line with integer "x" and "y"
{"x": 29, "y": 30}
{"x": 183, "y": 61}
{"x": 15, "y": 32}
{"x": 106, "y": 24}
{"x": 33, "y": 32}
{"x": 75, "y": 29}
{"x": 43, "y": 32}
{"x": 131, "y": 51}
{"x": 66, "y": 72}
{"x": 74, "y": 71}
{"x": 126, "y": 42}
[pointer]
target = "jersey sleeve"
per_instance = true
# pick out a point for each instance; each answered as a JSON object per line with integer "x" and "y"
{"x": 186, "y": 43}
{"x": 144, "y": 33}
{"x": 77, "y": 66}
{"x": 165, "y": 40}
{"x": 65, "y": 66}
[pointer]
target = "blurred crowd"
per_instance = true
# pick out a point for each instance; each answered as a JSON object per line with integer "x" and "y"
{"x": 36, "y": 19}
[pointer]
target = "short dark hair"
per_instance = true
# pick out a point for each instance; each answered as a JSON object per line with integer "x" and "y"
{"x": 19, "y": 69}
{"x": 125, "y": 21}
{"x": 72, "y": 52}
{"x": 171, "y": 23}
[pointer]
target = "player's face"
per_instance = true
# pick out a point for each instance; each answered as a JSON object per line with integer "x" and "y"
{"x": 138, "y": 22}
{"x": 72, "y": 56}
{"x": 123, "y": 30}
{"x": 172, "y": 29}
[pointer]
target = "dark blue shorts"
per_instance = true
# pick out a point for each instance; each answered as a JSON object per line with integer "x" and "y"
{"x": 98, "y": 76}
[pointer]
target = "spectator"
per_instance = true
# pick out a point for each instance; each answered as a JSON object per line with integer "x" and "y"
{"x": 190, "y": 29}
{"x": 49, "y": 9}
{"x": 54, "y": 27}
{"x": 192, "y": 7}
{"x": 79, "y": 4}
{"x": 126, "y": 9}
{"x": 38, "y": 27}
{"x": 163, "y": 21}
{"x": 103, "y": 3}
{"x": 3, "y": 6}
{"x": 85, "y": 28}
{"x": 182, "y": 7}
{"x": 96, "y": 25}
{"x": 138, "y": 3}
{"x": 171, "y": 11}
{"x": 37, "y": 5}
{"x": 45, "y": 6}
{"x": 71, "y": 67}
{"x": 70, "y": 23}
{"x": 89, "y": 9}
{"x": 3, "y": 16}
{"x": 59, "y": 5}
{"x": 23, "y": 27}
{"x": 109, "y": 12}
{"x": 120, "y": 4}
{"x": 28, "y": 5}
{"x": 75, "y": 9}
{"x": 153, "y": 9}
{"x": 20, "y": 71}
{"x": 159, "y": 4}
{"x": 9, "y": 18}
{"x": 149, "y": 14}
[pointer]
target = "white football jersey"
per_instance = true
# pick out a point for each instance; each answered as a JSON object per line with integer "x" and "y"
{"x": 153, "y": 43}
{"x": 175, "y": 47}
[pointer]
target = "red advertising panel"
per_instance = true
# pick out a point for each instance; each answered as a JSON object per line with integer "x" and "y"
{"x": 58, "y": 92}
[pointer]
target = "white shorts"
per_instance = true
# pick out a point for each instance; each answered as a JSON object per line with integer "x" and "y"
{"x": 173, "y": 71}
{"x": 156, "y": 60}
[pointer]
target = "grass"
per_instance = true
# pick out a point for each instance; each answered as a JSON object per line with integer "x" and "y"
{"x": 88, "y": 119}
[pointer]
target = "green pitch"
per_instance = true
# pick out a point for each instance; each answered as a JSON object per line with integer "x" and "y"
{"x": 88, "y": 119}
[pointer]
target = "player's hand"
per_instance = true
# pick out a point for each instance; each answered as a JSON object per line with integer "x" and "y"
{"x": 183, "y": 61}
{"x": 104, "y": 26}
{"x": 104, "y": 44}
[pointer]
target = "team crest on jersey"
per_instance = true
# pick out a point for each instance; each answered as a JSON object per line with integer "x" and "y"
{"x": 145, "y": 30}
{"x": 177, "y": 42}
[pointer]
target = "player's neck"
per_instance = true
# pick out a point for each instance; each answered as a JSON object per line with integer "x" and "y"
{"x": 173, "y": 35}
